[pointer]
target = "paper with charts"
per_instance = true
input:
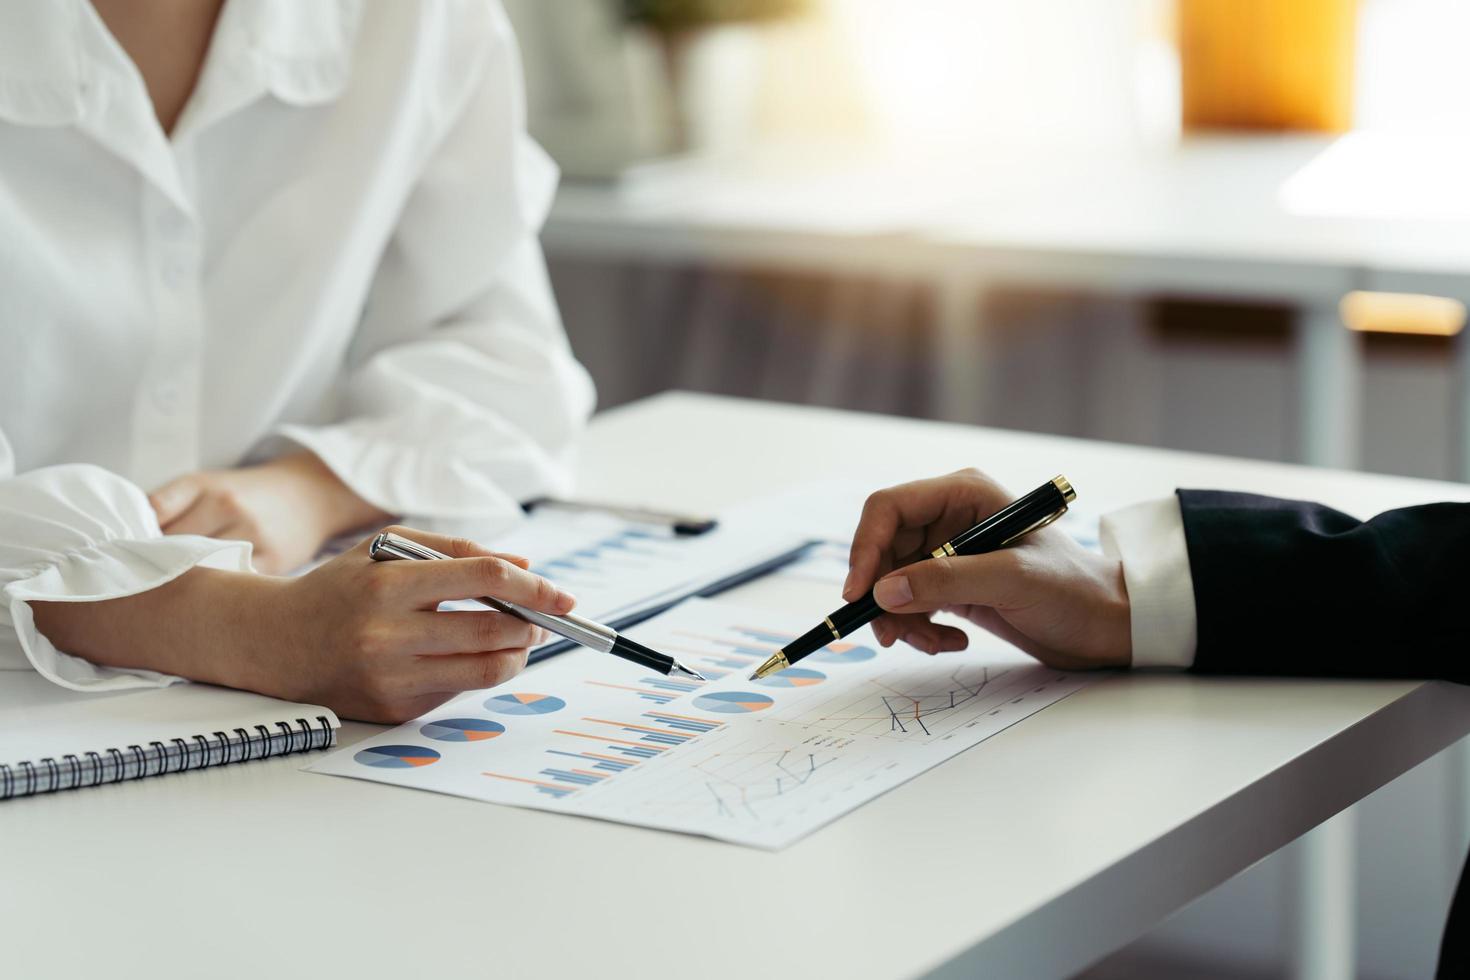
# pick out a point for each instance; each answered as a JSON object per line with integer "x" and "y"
{"x": 620, "y": 569}
{"x": 759, "y": 763}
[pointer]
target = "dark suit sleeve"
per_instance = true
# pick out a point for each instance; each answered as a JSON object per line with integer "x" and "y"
{"x": 1287, "y": 587}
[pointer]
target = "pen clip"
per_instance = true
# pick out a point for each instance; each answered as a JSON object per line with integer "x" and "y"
{"x": 1035, "y": 527}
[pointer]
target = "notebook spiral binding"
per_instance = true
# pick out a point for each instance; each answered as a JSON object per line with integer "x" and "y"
{"x": 113, "y": 765}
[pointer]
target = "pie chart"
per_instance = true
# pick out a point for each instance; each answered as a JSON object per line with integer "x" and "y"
{"x": 525, "y": 704}
{"x": 845, "y": 653}
{"x": 462, "y": 729}
{"x": 793, "y": 677}
{"x": 733, "y": 702}
{"x": 397, "y": 756}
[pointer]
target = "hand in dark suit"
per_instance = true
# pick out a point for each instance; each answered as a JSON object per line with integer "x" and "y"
{"x": 1280, "y": 586}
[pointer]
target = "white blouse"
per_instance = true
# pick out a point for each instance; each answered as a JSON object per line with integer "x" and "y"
{"x": 336, "y": 250}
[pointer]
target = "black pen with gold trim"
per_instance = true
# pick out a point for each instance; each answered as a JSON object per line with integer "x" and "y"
{"x": 1035, "y": 510}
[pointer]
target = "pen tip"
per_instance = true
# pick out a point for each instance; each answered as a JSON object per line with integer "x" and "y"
{"x": 777, "y": 661}
{"x": 680, "y": 669}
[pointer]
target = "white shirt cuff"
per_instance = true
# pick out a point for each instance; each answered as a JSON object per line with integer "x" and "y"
{"x": 1149, "y": 539}
{"x": 78, "y": 533}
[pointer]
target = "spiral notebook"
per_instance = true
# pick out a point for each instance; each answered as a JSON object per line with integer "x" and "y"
{"x": 54, "y": 739}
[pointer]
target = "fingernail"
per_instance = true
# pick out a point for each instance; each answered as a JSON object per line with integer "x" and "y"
{"x": 565, "y": 601}
{"x": 893, "y": 591}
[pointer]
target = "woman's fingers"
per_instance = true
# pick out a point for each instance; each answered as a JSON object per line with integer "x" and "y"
{"x": 436, "y": 633}
{"x": 468, "y": 671}
{"x": 475, "y": 571}
{"x": 262, "y": 558}
{"x": 427, "y": 583}
{"x": 455, "y": 547}
{"x": 208, "y": 515}
{"x": 175, "y": 497}
{"x": 445, "y": 653}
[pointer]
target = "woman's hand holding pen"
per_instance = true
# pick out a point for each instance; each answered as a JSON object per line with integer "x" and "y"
{"x": 1061, "y": 603}
{"x": 361, "y": 637}
{"x": 374, "y": 645}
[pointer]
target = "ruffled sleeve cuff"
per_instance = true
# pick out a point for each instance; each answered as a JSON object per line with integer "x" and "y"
{"x": 82, "y": 534}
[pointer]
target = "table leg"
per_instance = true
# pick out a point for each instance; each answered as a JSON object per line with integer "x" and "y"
{"x": 1329, "y": 378}
{"x": 964, "y": 360}
{"x": 1324, "y": 901}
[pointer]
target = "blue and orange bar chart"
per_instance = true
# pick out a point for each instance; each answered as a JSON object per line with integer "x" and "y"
{"x": 659, "y": 690}
{"x": 665, "y": 731}
{"x": 611, "y": 746}
{"x": 548, "y": 789}
{"x": 596, "y": 760}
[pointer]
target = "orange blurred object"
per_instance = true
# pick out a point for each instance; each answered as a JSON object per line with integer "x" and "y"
{"x": 1412, "y": 313}
{"x": 1267, "y": 64}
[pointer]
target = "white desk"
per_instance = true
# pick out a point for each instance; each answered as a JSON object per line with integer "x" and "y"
{"x": 1207, "y": 220}
{"x": 1116, "y": 806}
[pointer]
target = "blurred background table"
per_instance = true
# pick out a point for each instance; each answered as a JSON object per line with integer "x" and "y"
{"x": 1218, "y": 218}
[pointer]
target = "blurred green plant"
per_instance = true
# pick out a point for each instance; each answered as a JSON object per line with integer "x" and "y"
{"x": 676, "y": 15}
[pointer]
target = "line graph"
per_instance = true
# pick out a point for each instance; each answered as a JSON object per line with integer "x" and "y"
{"x": 912, "y": 702}
{"x": 905, "y": 710}
{"x": 740, "y": 779}
{"x": 793, "y": 770}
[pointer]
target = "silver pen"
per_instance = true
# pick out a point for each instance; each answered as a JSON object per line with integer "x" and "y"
{"x": 603, "y": 639}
